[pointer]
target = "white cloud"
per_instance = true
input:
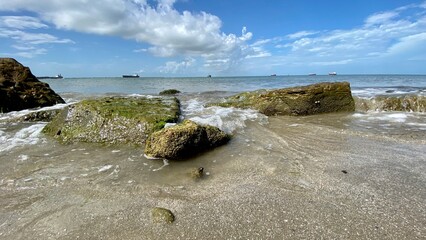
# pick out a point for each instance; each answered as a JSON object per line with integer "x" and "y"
{"x": 382, "y": 33}
{"x": 177, "y": 67}
{"x": 301, "y": 34}
{"x": 168, "y": 31}
{"x": 380, "y": 18}
{"x": 21, "y": 22}
{"x": 16, "y": 29}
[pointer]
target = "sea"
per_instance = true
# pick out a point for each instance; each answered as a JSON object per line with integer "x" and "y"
{"x": 359, "y": 175}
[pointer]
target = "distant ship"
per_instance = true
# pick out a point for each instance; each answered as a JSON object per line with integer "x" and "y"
{"x": 332, "y": 73}
{"x": 312, "y": 74}
{"x": 59, "y": 76}
{"x": 273, "y": 75}
{"x": 131, "y": 76}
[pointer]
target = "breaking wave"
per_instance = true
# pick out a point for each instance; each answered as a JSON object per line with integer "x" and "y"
{"x": 404, "y": 103}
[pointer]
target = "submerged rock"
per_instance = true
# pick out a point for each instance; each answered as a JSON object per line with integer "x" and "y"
{"x": 184, "y": 140}
{"x": 162, "y": 215}
{"x": 305, "y": 100}
{"x": 20, "y": 89}
{"x": 408, "y": 103}
{"x": 169, "y": 92}
{"x": 113, "y": 119}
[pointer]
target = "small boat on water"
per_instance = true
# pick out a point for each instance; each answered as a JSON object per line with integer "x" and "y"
{"x": 59, "y": 76}
{"x": 131, "y": 76}
{"x": 312, "y": 74}
{"x": 273, "y": 75}
{"x": 332, "y": 73}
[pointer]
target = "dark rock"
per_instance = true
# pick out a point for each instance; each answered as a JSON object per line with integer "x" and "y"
{"x": 162, "y": 215}
{"x": 113, "y": 120}
{"x": 40, "y": 116}
{"x": 184, "y": 140}
{"x": 305, "y": 100}
{"x": 20, "y": 89}
{"x": 169, "y": 92}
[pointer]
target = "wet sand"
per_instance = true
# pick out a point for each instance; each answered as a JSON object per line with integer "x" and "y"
{"x": 294, "y": 178}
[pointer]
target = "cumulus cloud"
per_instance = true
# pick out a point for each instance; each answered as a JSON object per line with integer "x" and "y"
{"x": 168, "y": 31}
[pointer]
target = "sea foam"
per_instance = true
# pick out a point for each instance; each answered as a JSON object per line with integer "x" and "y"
{"x": 25, "y": 136}
{"x": 226, "y": 119}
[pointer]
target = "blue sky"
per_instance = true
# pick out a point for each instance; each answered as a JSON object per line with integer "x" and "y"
{"x": 85, "y": 38}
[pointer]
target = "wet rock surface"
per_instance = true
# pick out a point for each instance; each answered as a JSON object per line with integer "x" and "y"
{"x": 305, "y": 100}
{"x": 20, "y": 89}
{"x": 113, "y": 120}
{"x": 184, "y": 140}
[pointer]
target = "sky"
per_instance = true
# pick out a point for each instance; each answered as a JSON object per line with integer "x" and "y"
{"x": 177, "y": 38}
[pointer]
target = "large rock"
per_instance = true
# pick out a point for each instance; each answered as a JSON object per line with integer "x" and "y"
{"x": 305, "y": 100}
{"x": 113, "y": 120}
{"x": 20, "y": 89}
{"x": 184, "y": 140}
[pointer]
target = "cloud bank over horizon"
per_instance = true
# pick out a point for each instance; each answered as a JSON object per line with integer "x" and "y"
{"x": 190, "y": 40}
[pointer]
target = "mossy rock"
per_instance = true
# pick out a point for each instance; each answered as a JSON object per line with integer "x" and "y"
{"x": 305, "y": 100}
{"x": 169, "y": 92}
{"x": 184, "y": 140}
{"x": 113, "y": 120}
{"x": 162, "y": 215}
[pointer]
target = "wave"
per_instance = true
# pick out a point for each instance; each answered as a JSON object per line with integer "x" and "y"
{"x": 405, "y": 103}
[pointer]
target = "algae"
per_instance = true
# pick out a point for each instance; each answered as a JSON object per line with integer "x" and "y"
{"x": 114, "y": 119}
{"x": 305, "y": 100}
{"x": 169, "y": 92}
{"x": 162, "y": 215}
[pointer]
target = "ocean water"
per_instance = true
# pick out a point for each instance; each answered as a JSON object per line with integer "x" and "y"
{"x": 343, "y": 175}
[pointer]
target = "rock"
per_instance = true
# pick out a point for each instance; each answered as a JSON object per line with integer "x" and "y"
{"x": 113, "y": 120}
{"x": 20, "y": 89}
{"x": 162, "y": 215}
{"x": 197, "y": 173}
{"x": 40, "y": 116}
{"x": 184, "y": 140}
{"x": 305, "y": 100}
{"x": 169, "y": 92}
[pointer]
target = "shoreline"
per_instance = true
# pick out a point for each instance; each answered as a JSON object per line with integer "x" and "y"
{"x": 289, "y": 184}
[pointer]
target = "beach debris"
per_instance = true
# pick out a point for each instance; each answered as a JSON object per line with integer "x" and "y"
{"x": 169, "y": 92}
{"x": 20, "y": 89}
{"x": 344, "y": 171}
{"x": 184, "y": 140}
{"x": 162, "y": 215}
{"x": 317, "y": 98}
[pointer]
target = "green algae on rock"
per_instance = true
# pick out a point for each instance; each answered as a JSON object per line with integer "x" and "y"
{"x": 113, "y": 120}
{"x": 184, "y": 140}
{"x": 162, "y": 215}
{"x": 305, "y": 100}
{"x": 169, "y": 92}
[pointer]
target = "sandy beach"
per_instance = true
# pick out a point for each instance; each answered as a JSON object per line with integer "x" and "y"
{"x": 289, "y": 179}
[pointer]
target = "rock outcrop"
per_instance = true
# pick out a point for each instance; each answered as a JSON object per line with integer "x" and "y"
{"x": 20, "y": 89}
{"x": 169, "y": 92}
{"x": 184, "y": 140}
{"x": 113, "y": 120}
{"x": 305, "y": 100}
